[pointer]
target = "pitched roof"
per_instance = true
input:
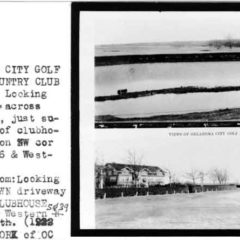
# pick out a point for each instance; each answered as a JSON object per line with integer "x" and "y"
{"x": 120, "y": 166}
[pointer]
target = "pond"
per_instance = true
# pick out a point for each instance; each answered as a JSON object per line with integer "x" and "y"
{"x": 168, "y": 104}
{"x": 139, "y": 77}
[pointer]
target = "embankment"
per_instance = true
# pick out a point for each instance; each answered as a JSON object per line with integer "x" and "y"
{"x": 157, "y": 58}
{"x": 178, "y": 90}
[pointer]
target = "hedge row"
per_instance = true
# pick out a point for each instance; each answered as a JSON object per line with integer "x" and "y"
{"x": 124, "y": 192}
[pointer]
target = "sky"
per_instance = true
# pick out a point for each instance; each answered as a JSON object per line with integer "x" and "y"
{"x": 143, "y": 27}
{"x": 180, "y": 154}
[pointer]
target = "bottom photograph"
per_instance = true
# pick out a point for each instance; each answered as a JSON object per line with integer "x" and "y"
{"x": 147, "y": 181}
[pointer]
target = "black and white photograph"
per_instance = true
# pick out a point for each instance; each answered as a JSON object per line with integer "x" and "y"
{"x": 144, "y": 181}
{"x": 159, "y": 100}
{"x": 167, "y": 69}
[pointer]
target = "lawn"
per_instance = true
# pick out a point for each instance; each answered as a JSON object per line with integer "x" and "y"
{"x": 208, "y": 210}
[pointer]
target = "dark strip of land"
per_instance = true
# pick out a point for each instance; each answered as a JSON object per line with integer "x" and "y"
{"x": 216, "y": 115}
{"x": 218, "y": 118}
{"x": 179, "y": 90}
{"x": 155, "y": 58}
{"x": 182, "y": 124}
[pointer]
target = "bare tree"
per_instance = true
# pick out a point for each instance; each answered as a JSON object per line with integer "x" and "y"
{"x": 134, "y": 160}
{"x": 193, "y": 175}
{"x": 201, "y": 176}
{"x": 225, "y": 176}
{"x": 212, "y": 176}
{"x": 219, "y": 175}
{"x": 171, "y": 175}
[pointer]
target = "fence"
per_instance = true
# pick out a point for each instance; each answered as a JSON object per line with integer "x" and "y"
{"x": 165, "y": 189}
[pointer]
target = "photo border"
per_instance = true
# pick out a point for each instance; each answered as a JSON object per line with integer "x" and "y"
{"x": 76, "y": 8}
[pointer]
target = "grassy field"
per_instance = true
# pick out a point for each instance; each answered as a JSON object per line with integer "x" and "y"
{"x": 209, "y": 210}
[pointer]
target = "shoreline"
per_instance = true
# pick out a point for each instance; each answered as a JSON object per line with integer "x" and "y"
{"x": 178, "y": 90}
{"x": 226, "y": 114}
{"x": 155, "y": 58}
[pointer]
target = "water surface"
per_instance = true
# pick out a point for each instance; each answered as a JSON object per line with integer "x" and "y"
{"x": 168, "y": 104}
{"x": 140, "y": 77}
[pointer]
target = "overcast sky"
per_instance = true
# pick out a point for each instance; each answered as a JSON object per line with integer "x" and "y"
{"x": 135, "y": 27}
{"x": 180, "y": 154}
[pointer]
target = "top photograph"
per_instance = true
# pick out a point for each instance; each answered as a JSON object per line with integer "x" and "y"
{"x": 167, "y": 69}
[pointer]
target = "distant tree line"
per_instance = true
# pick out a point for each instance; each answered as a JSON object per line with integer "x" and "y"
{"x": 228, "y": 43}
{"x": 217, "y": 176}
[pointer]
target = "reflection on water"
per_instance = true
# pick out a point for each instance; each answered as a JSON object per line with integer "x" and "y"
{"x": 168, "y": 104}
{"x": 138, "y": 77}
{"x": 158, "y": 48}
